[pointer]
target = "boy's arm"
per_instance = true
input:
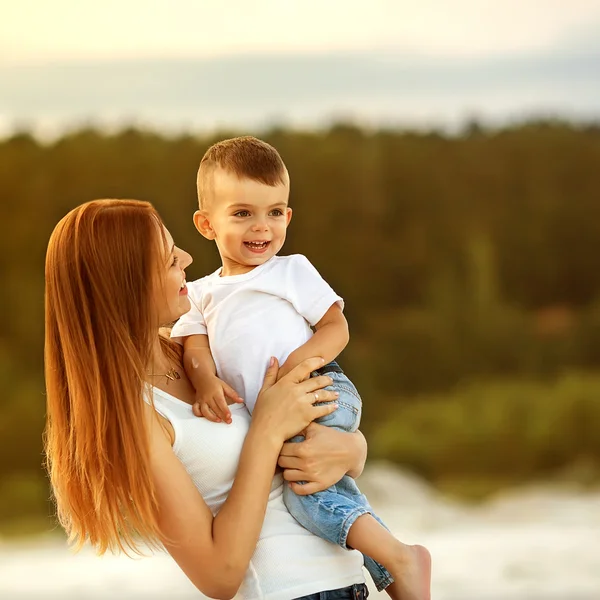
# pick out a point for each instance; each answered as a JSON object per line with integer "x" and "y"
{"x": 330, "y": 338}
{"x": 211, "y": 392}
{"x": 197, "y": 359}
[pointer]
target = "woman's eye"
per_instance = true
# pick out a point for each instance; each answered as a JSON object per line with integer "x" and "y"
{"x": 175, "y": 260}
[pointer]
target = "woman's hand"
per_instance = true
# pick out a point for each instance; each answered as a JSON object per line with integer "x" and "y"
{"x": 322, "y": 459}
{"x": 214, "y": 551}
{"x": 285, "y": 407}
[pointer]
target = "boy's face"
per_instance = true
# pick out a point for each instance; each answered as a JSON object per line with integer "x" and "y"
{"x": 246, "y": 218}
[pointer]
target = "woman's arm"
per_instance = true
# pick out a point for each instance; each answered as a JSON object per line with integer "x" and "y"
{"x": 200, "y": 544}
{"x": 323, "y": 458}
{"x": 214, "y": 552}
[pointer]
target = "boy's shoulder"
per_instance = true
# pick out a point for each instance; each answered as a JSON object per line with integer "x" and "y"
{"x": 299, "y": 265}
{"x": 293, "y": 260}
{"x": 197, "y": 284}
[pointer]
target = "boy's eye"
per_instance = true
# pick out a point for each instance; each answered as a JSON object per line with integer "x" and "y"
{"x": 276, "y": 212}
{"x": 242, "y": 213}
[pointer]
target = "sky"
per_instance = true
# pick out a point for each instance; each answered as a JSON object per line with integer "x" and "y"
{"x": 194, "y": 64}
{"x": 42, "y": 31}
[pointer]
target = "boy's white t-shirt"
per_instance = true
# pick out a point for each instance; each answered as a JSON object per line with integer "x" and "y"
{"x": 250, "y": 317}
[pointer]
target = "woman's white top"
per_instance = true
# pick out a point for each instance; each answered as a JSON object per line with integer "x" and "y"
{"x": 250, "y": 317}
{"x": 289, "y": 561}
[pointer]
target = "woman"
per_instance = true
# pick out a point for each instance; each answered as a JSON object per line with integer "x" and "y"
{"x": 129, "y": 461}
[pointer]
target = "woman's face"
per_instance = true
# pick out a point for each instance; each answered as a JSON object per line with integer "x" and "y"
{"x": 172, "y": 297}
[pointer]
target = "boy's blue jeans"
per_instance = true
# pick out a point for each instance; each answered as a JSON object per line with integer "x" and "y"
{"x": 330, "y": 513}
{"x": 353, "y": 592}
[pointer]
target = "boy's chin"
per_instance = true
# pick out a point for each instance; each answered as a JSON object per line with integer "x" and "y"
{"x": 259, "y": 260}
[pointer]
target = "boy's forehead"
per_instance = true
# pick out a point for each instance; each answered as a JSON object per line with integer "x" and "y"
{"x": 223, "y": 180}
{"x": 228, "y": 187}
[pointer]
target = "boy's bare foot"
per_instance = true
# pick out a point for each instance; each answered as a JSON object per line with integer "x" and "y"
{"x": 412, "y": 574}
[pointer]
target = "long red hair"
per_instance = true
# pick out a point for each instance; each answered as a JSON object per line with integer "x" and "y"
{"x": 102, "y": 264}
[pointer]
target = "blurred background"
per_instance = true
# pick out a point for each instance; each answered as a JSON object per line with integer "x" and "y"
{"x": 444, "y": 158}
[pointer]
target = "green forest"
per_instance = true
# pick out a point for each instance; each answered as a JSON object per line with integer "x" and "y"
{"x": 469, "y": 264}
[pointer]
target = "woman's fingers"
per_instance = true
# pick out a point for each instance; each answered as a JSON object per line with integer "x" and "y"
{"x": 320, "y": 396}
{"x": 289, "y": 462}
{"x": 324, "y": 396}
{"x": 304, "y": 489}
{"x": 271, "y": 375}
{"x": 294, "y": 475}
{"x": 290, "y": 400}
{"x": 315, "y": 384}
{"x": 304, "y": 369}
{"x": 323, "y": 410}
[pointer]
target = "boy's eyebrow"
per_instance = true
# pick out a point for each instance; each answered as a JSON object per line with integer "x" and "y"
{"x": 242, "y": 205}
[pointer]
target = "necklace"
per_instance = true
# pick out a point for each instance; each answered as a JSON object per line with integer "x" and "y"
{"x": 171, "y": 375}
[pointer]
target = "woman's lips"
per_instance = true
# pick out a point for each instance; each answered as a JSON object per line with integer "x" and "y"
{"x": 183, "y": 291}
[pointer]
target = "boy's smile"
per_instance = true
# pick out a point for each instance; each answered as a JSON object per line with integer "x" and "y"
{"x": 246, "y": 218}
{"x": 257, "y": 247}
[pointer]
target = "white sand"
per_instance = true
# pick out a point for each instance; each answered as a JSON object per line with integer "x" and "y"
{"x": 532, "y": 544}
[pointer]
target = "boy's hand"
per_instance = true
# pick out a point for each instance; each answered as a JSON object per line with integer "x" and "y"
{"x": 211, "y": 400}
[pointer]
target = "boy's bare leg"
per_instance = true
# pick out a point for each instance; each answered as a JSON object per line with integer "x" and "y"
{"x": 410, "y": 566}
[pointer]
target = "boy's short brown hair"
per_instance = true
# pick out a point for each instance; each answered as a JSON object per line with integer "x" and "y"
{"x": 244, "y": 156}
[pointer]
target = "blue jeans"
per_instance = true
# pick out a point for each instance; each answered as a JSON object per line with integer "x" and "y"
{"x": 330, "y": 513}
{"x": 354, "y": 592}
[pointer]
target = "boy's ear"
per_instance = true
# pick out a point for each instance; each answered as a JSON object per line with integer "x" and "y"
{"x": 288, "y": 216}
{"x": 202, "y": 224}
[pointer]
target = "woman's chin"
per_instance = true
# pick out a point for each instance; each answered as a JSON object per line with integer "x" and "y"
{"x": 184, "y": 306}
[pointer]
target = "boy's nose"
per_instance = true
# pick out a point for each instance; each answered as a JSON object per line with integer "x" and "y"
{"x": 260, "y": 225}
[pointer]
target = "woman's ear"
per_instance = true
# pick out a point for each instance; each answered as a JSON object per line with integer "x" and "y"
{"x": 203, "y": 225}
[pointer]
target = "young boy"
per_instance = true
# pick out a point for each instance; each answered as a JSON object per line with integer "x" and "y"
{"x": 259, "y": 305}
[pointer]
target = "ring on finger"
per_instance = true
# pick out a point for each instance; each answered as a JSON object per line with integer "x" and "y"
{"x": 316, "y": 396}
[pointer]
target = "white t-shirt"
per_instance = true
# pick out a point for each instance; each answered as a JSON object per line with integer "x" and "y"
{"x": 250, "y": 317}
{"x": 289, "y": 561}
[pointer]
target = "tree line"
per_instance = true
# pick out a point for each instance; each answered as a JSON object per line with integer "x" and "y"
{"x": 460, "y": 258}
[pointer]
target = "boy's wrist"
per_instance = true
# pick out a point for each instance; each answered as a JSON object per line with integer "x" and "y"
{"x": 293, "y": 360}
{"x": 204, "y": 381}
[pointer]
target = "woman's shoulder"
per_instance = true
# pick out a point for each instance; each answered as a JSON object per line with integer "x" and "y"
{"x": 159, "y": 427}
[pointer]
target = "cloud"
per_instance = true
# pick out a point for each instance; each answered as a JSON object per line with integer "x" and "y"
{"x": 249, "y": 90}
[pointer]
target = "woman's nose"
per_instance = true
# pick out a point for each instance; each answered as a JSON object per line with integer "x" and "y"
{"x": 185, "y": 260}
